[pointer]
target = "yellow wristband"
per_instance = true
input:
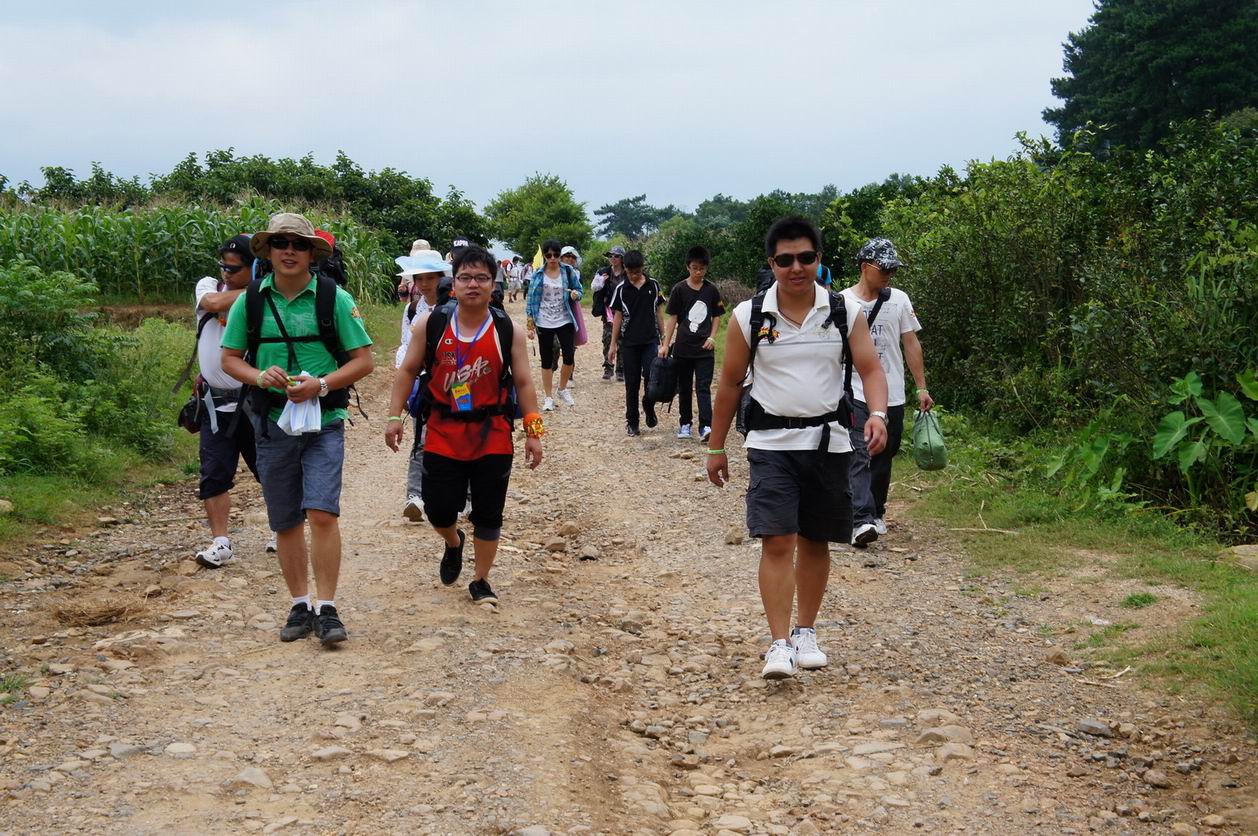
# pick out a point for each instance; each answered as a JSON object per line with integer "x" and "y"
{"x": 260, "y": 376}
{"x": 720, "y": 452}
{"x": 395, "y": 417}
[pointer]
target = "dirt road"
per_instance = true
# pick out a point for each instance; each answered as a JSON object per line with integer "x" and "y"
{"x": 615, "y": 689}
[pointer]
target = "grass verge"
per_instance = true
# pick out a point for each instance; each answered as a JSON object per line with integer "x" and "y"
{"x": 995, "y": 501}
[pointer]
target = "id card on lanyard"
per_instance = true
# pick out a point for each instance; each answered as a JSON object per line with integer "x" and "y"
{"x": 460, "y": 391}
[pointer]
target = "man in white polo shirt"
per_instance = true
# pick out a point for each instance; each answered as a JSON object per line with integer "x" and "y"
{"x": 892, "y": 322}
{"x": 797, "y": 444}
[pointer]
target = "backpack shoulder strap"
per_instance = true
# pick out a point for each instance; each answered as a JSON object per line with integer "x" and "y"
{"x": 883, "y": 296}
{"x": 196, "y": 345}
{"x": 506, "y": 334}
{"x": 253, "y": 319}
{"x": 755, "y": 323}
{"x": 325, "y": 314}
{"x": 438, "y": 319}
{"x": 838, "y": 315}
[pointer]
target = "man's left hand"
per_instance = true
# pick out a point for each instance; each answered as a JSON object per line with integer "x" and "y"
{"x": 924, "y": 400}
{"x": 709, "y": 344}
{"x": 533, "y": 452}
{"x": 304, "y": 389}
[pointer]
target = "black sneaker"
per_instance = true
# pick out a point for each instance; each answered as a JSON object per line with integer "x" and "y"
{"x": 481, "y": 593}
{"x": 328, "y": 626}
{"x": 648, "y": 408}
{"x": 632, "y": 431}
{"x": 452, "y": 562}
{"x": 620, "y": 377}
{"x": 607, "y": 374}
{"x": 301, "y": 621}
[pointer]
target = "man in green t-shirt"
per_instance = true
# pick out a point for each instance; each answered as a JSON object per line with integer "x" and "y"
{"x": 300, "y": 474}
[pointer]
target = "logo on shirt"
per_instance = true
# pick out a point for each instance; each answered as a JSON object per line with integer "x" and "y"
{"x": 355, "y": 313}
{"x": 765, "y": 332}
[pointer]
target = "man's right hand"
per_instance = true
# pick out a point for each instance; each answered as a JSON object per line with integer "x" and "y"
{"x": 275, "y": 378}
{"x": 718, "y": 469}
{"x": 611, "y": 354}
{"x": 393, "y": 434}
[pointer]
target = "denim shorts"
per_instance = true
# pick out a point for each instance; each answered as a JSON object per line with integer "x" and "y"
{"x": 802, "y": 492}
{"x": 300, "y": 472}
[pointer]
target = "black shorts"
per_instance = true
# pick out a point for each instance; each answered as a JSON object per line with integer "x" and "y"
{"x": 802, "y": 492}
{"x": 222, "y": 451}
{"x": 446, "y": 483}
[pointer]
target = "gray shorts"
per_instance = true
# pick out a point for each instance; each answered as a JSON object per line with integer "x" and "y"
{"x": 300, "y": 472}
{"x": 800, "y": 492}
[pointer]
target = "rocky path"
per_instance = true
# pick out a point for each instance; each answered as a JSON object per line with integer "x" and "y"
{"x": 615, "y": 689}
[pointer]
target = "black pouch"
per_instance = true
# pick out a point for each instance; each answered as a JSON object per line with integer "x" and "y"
{"x": 190, "y": 413}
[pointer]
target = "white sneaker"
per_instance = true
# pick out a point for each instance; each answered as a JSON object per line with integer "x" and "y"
{"x": 864, "y": 534}
{"x": 684, "y": 432}
{"x": 548, "y": 405}
{"x": 807, "y": 653}
{"x": 216, "y": 556}
{"x": 779, "y": 662}
{"x": 413, "y": 510}
{"x": 704, "y": 433}
{"x": 565, "y": 395}
{"x": 880, "y": 527}
{"x": 271, "y": 546}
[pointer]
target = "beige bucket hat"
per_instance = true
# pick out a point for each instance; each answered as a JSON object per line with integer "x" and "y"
{"x": 293, "y": 224}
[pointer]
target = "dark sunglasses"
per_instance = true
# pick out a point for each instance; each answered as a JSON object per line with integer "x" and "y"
{"x": 551, "y": 254}
{"x": 300, "y": 245}
{"x": 230, "y": 269}
{"x": 805, "y": 258}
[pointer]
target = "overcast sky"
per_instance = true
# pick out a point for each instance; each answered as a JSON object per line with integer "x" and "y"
{"x": 680, "y": 100}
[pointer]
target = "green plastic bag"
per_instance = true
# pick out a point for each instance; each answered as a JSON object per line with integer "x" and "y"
{"x": 928, "y": 442}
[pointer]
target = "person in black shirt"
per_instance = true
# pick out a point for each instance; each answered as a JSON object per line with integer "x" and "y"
{"x": 697, "y": 303}
{"x": 636, "y": 325}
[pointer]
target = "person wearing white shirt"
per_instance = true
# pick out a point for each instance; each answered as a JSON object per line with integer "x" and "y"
{"x": 224, "y": 439}
{"x": 798, "y": 446}
{"x": 423, "y": 269}
{"x": 893, "y": 325}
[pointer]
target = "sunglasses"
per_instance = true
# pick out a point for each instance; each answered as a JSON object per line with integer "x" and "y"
{"x": 806, "y": 258}
{"x": 230, "y": 269}
{"x": 551, "y": 254}
{"x": 300, "y": 245}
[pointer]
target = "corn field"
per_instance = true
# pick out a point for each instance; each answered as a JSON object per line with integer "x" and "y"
{"x": 158, "y": 253}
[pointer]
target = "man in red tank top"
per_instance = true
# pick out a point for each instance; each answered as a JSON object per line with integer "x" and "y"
{"x": 469, "y": 422}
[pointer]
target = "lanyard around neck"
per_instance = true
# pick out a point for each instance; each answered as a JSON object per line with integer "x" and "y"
{"x": 459, "y": 356}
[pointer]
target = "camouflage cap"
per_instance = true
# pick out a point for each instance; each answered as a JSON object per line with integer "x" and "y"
{"x": 881, "y": 252}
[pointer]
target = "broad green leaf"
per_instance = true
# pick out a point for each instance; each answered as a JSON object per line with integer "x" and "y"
{"x": 1190, "y": 454}
{"x": 1055, "y": 465}
{"x": 1251, "y": 500}
{"x": 1248, "y": 384}
{"x": 1225, "y": 416}
{"x": 1252, "y": 423}
{"x": 1188, "y": 386}
{"x": 1171, "y": 431}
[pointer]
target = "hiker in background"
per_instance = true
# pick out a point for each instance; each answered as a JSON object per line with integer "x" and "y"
{"x": 796, "y": 338}
{"x": 425, "y": 268}
{"x": 637, "y": 322}
{"x": 226, "y": 437}
{"x": 892, "y": 324}
{"x": 404, "y": 284}
{"x": 516, "y": 282}
{"x": 292, "y": 359}
{"x": 603, "y": 285}
{"x": 697, "y": 304}
{"x": 473, "y": 355}
{"x": 548, "y": 304}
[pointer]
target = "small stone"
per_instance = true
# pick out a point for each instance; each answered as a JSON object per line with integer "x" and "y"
{"x": 560, "y": 646}
{"x": 1214, "y": 820}
{"x": 1096, "y": 728}
{"x": 733, "y": 823}
{"x": 533, "y": 830}
{"x": 185, "y": 615}
{"x": 1179, "y": 828}
{"x": 279, "y": 824}
{"x": 254, "y": 776}
{"x": 121, "y": 751}
{"x": 1057, "y": 656}
{"x": 182, "y": 751}
{"x": 590, "y": 553}
{"x": 1156, "y": 778}
{"x": 954, "y": 752}
{"x": 781, "y": 751}
{"x": 735, "y": 536}
{"x": 556, "y": 545}
{"x": 58, "y": 669}
{"x": 38, "y": 692}
{"x": 876, "y": 747}
{"x": 388, "y": 755}
{"x": 935, "y": 717}
{"x": 328, "y": 753}
{"x": 6, "y": 507}
{"x": 945, "y": 734}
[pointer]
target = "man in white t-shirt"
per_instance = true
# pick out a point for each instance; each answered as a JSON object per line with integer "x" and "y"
{"x": 224, "y": 437}
{"x": 892, "y": 324}
{"x": 797, "y": 445}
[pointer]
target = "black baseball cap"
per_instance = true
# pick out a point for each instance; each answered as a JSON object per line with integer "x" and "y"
{"x": 240, "y": 246}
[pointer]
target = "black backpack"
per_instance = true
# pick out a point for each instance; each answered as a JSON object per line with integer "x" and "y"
{"x": 334, "y": 267}
{"x": 508, "y": 406}
{"x": 752, "y": 416}
{"x": 262, "y": 400}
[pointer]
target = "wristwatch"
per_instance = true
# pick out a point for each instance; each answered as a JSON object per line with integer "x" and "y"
{"x": 880, "y": 414}
{"x": 323, "y": 387}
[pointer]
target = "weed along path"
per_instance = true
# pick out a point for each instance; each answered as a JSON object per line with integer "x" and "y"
{"x": 615, "y": 690}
